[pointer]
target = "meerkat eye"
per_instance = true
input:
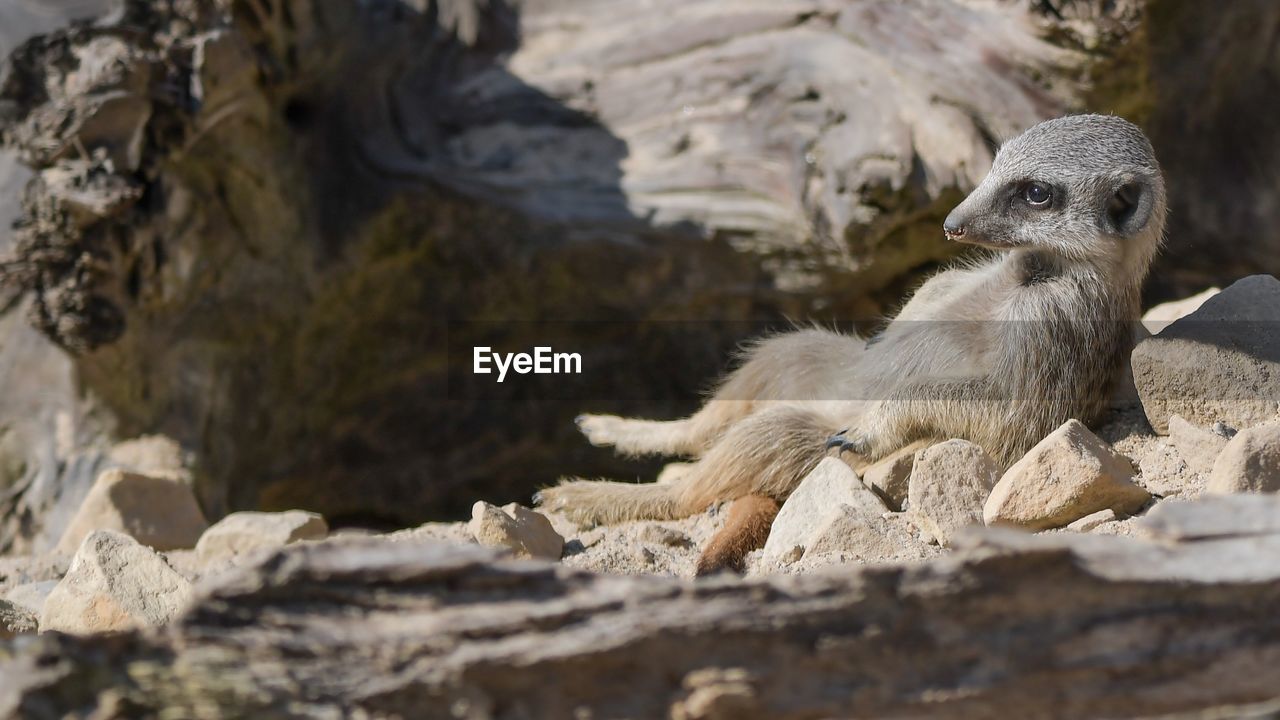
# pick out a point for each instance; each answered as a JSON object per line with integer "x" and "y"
{"x": 1037, "y": 194}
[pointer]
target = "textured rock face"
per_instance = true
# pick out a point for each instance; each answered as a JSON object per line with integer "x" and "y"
{"x": 1068, "y": 475}
{"x": 1220, "y": 363}
{"x": 114, "y": 584}
{"x": 353, "y": 189}
{"x": 949, "y": 482}
{"x": 160, "y": 513}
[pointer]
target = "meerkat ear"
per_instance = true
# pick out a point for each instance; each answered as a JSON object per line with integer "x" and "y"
{"x": 1130, "y": 206}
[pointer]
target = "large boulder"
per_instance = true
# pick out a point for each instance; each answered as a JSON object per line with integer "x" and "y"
{"x": 1220, "y": 363}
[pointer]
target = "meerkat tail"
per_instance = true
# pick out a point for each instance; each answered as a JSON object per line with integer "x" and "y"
{"x": 745, "y": 529}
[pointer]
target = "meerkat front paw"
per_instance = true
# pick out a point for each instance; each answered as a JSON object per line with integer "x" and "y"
{"x": 601, "y": 430}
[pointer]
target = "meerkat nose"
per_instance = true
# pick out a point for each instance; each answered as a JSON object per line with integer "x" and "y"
{"x": 954, "y": 224}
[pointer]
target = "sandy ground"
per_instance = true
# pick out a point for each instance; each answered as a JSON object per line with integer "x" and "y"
{"x": 671, "y": 547}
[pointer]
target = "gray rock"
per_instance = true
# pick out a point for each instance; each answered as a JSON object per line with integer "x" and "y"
{"x": 815, "y": 500}
{"x": 1068, "y": 475}
{"x": 1221, "y": 362}
{"x": 1059, "y": 618}
{"x": 247, "y": 532}
{"x": 1249, "y": 462}
{"x": 526, "y": 533}
{"x": 114, "y": 583}
{"x": 949, "y": 482}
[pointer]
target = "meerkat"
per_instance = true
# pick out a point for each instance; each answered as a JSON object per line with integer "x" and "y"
{"x": 998, "y": 351}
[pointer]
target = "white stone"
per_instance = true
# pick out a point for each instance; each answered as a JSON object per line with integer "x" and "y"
{"x": 819, "y": 496}
{"x": 31, "y": 596}
{"x": 527, "y": 533}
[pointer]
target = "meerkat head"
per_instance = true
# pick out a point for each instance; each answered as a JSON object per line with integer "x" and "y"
{"x": 1085, "y": 187}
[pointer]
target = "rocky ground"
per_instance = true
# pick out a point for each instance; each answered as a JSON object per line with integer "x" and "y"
{"x": 139, "y": 542}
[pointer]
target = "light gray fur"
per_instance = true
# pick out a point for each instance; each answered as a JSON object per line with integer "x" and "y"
{"x": 999, "y": 351}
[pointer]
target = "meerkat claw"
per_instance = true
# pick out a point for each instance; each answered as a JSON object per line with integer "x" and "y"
{"x": 859, "y": 444}
{"x": 837, "y": 440}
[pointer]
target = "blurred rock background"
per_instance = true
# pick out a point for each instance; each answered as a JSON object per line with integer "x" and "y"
{"x": 273, "y": 230}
